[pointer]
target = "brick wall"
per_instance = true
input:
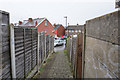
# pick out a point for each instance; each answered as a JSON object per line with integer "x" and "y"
{"x": 49, "y": 28}
{"x": 61, "y": 31}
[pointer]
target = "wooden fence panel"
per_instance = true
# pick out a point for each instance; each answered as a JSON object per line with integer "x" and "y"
{"x": 40, "y": 49}
{"x": 74, "y": 52}
{"x": 28, "y": 50}
{"x": 26, "y": 44}
{"x": 69, "y": 48}
{"x": 47, "y": 45}
{"x": 25, "y": 50}
{"x": 74, "y": 40}
{"x": 34, "y": 47}
{"x": 43, "y": 46}
{"x": 50, "y": 44}
{"x": 19, "y": 52}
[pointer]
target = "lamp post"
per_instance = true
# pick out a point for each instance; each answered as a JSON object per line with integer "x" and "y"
{"x": 66, "y": 20}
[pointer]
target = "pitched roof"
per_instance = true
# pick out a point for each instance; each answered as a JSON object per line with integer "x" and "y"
{"x": 32, "y": 23}
{"x": 57, "y": 26}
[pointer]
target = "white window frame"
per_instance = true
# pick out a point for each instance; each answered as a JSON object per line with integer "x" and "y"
{"x": 72, "y": 30}
{"x": 53, "y": 31}
{"x": 76, "y": 30}
{"x": 79, "y": 30}
{"x": 45, "y": 30}
{"x": 69, "y": 30}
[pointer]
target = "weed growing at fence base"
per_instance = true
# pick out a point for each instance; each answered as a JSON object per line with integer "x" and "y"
{"x": 29, "y": 73}
{"x": 41, "y": 69}
{"x": 49, "y": 59}
{"x": 70, "y": 64}
{"x": 65, "y": 52}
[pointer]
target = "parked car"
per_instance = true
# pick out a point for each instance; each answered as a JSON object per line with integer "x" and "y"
{"x": 56, "y": 38}
{"x": 58, "y": 42}
{"x": 62, "y": 38}
{"x": 65, "y": 37}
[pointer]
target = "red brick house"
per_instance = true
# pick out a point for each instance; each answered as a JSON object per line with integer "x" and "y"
{"x": 59, "y": 30}
{"x": 42, "y": 24}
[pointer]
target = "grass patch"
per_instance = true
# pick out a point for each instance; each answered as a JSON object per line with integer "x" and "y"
{"x": 57, "y": 52}
{"x": 65, "y": 51}
{"x": 48, "y": 60}
{"x": 41, "y": 69}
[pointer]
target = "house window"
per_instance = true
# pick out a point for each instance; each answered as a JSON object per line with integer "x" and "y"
{"x": 45, "y": 22}
{"x": 79, "y": 30}
{"x": 53, "y": 31}
{"x": 69, "y": 30}
{"x": 45, "y": 30}
{"x": 72, "y": 30}
{"x": 76, "y": 31}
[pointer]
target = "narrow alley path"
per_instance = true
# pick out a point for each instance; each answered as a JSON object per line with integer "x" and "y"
{"x": 57, "y": 67}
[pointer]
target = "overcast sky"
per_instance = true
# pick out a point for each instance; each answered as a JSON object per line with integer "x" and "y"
{"x": 77, "y": 11}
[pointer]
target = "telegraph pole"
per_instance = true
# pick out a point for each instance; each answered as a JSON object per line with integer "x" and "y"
{"x": 66, "y": 20}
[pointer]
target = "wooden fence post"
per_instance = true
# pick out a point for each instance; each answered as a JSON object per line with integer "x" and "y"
{"x": 0, "y": 52}
{"x": 24, "y": 52}
{"x": 52, "y": 44}
{"x": 71, "y": 49}
{"x": 76, "y": 55}
{"x": 49, "y": 43}
{"x": 45, "y": 48}
{"x": 12, "y": 46}
{"x": 38, "y": 56}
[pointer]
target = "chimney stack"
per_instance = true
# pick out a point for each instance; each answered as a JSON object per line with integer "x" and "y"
{"x": 20, "y": 22}
{"x": 54, "y": 25}
{"x": 36, "y": 23}
{"x": 30, "y": 19}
